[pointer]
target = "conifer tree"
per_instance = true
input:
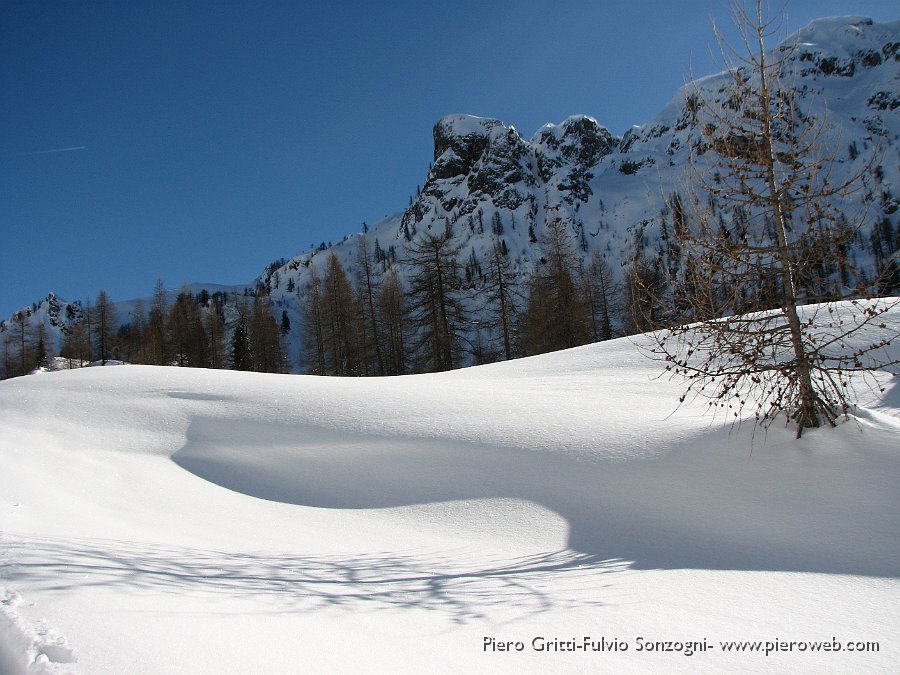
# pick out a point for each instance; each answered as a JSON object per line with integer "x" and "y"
{"x": 366, "y": 291}
{"x": 105, "y": 326}
{"x": 265, "y": 336}
{"x": 313, "y": 324}
{"x": 241, "y": 356}
{"x": 647, "y": 300}
{"x": 502, "y": 297}
{"x": 436, "y": 301}
{"x": 602, "y": 296}
{"x": 20, "y": 332}
{"x": 395, "y": 324}
{"x": 9, "y": 367}
{"x": 339, "y": 320}
{"x": 131, "y": 341}
{"x": 556, "y": 314}
{"x": 76, "y": 345}
{"x": 214, "y": 327}
{"x": 43, "y": 353}
{"x": 157, "y": 345}
{"x": 187, "y": 330}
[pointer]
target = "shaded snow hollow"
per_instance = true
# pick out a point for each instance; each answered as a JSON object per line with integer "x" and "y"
{"x": 171, "y": 520}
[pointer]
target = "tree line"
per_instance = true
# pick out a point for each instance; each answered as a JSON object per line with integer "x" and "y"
{"x": 431, "y": 308}
{"x": 447, "y": 310}
{"x": 192, "y": 331}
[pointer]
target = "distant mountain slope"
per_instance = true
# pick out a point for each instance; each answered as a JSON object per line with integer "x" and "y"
{"x": 488, "y": 182}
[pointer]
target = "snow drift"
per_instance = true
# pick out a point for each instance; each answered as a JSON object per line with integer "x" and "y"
{"x": 165, "y": 520}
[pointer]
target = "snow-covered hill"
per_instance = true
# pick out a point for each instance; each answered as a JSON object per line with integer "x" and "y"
{"x": 158, "y": 520}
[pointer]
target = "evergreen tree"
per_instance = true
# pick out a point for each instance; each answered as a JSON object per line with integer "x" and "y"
{"x": 265, "y": 336}
{"x": 556, "y": 314}
{"x": 436, "y": 301}
{"x": 241, "y": 357}
{"x": 105, "y": 326}
{"x": 43, "y": 354}
{"x": 395, "y": 324}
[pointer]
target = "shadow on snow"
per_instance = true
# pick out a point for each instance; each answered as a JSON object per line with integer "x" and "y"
{"x": 696, "y": 507}
{"x": 299, "y": 582}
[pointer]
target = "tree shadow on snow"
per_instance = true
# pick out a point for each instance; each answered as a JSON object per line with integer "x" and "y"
{"x": 693, "y": 508}
{"x": 295, "y": 582}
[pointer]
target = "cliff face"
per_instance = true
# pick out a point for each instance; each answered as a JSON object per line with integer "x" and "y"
{"x": 483, "y": 167}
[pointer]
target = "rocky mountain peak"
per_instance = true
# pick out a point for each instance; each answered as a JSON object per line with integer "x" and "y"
{"x": 579, "y": 139}
{"x": 461, "y": 141}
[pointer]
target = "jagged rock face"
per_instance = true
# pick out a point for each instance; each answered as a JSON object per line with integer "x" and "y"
{"x": 61, "y": 314}
{"x": 483, "y": 164}
{"x": 844, "y": 68}
{"x": 484, "y": 156}
{"x": 611, "y": 192}
{"x": 579, "y": 140}
{"x": 460, "y": 142}
{"x": 856, "y": 43}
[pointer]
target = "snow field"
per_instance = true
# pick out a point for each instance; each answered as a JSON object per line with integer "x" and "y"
{"x": 172, "y": 520}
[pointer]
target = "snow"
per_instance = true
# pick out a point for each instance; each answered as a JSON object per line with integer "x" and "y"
{"x": 558, "y": 131}
{"x": 845, "y": 33}
{"x": 157, "y": 520}
{"x": 466, "y": 125}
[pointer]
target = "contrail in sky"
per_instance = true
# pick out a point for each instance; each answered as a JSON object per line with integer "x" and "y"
{"x": 47, "y": 152}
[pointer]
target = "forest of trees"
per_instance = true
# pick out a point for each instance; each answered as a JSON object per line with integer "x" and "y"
{"x": 442, "y": 313}
{"x": 450, "y": 309}
{"x": 441, "y": 309}
{"x": 192, "y": 331}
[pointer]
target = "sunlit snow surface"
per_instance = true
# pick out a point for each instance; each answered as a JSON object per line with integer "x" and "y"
{"x": 164, "y": 520}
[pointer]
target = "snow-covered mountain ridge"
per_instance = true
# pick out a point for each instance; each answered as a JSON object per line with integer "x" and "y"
{"x": 488, "y": 182}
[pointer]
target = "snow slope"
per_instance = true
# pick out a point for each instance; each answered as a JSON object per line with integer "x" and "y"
{"x": 160, "y": 520}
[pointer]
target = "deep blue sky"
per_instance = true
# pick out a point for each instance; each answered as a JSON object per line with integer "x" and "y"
{"x": 199, "y": 141}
